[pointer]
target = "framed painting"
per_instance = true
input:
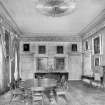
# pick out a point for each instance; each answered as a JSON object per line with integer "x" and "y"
{"x": 97, "y": 45}
{"x": 59, "y": 63}
{"x": 96, "y": 61}
{"x": 86, "y": 45}
{"x": 42, "y": 63}
{"x": 7, "y": 42}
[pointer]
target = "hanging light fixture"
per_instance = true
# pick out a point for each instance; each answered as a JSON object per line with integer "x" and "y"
{"x": 55, "y": 7}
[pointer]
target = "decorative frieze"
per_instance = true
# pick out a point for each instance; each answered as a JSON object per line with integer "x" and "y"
{"x": 95, "y": 30}
{"x": 40, "y": 37}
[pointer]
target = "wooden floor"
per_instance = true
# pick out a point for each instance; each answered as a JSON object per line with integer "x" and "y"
{"x": 77, "y": 94}
{"x": 82, "y": 94}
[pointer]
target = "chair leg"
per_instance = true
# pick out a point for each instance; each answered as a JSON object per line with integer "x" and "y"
{"x": 11, "y": 99}
{"x": 42, "y": 100}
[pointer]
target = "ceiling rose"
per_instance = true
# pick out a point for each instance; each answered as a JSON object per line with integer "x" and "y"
{"x": 55, "y": 8}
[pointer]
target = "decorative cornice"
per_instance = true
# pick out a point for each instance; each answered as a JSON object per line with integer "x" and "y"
{"x": 6, "y": 24}
{"x": 52, "y": 38}
{"x": 97, "y": 24}
{"x": 12, "y": 24}
{"x": 95, "y": 30}
{"x": 48, "y": 34}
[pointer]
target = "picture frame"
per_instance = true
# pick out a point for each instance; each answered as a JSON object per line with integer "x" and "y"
{"x": 42, "y": 63}
{"x": 42, "y": 49}
{"x": 59, "y": 63}
{"x": 26, "y": 47}
{"x": 97, "y": 44}
{"x": 59, "y": 49}
{"x": 74, "y": 47}
{"x": 7, "y": 42}
{"x": 86, "y": 45}
{"x": 96, "y": 61}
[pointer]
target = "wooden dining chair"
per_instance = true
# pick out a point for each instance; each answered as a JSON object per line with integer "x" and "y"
{"x": 37, "y": 95}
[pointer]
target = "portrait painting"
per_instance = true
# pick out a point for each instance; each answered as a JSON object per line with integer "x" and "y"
{"x": 97, "y": 45}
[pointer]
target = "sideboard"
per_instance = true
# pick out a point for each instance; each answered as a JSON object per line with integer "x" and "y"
{"x": 52, "y": 75}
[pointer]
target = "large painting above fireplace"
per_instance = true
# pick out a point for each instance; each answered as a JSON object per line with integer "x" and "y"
{"x": 42, "y": 63}
{"x": 59, "y": 63}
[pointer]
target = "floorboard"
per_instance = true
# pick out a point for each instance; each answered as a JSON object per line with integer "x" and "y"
{"x": 77, "y": 94}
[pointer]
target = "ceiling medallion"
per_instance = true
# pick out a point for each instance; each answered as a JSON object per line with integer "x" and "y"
{"x": 55, "y": 8}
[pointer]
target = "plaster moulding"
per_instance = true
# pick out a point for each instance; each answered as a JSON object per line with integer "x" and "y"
{"x": 52, "y": 38}
{"x": 94, "y": 30}
{"x": 8, "y": 17}
{"x": 6, "y": 25}
{"x": 97, "y": 24}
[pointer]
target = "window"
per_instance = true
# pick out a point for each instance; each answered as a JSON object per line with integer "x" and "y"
{"x": 42, "y": 49}
{"x": 59, "y": 63}
{"x": 74, "y": 47}
{"x": 60, "y": 50}
{"x": 26, "y": 47}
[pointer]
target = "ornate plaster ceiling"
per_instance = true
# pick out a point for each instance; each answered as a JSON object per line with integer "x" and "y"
{"x": 30, "y": 21}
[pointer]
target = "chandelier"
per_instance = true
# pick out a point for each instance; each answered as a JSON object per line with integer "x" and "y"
{"x": 55, "y": 8}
